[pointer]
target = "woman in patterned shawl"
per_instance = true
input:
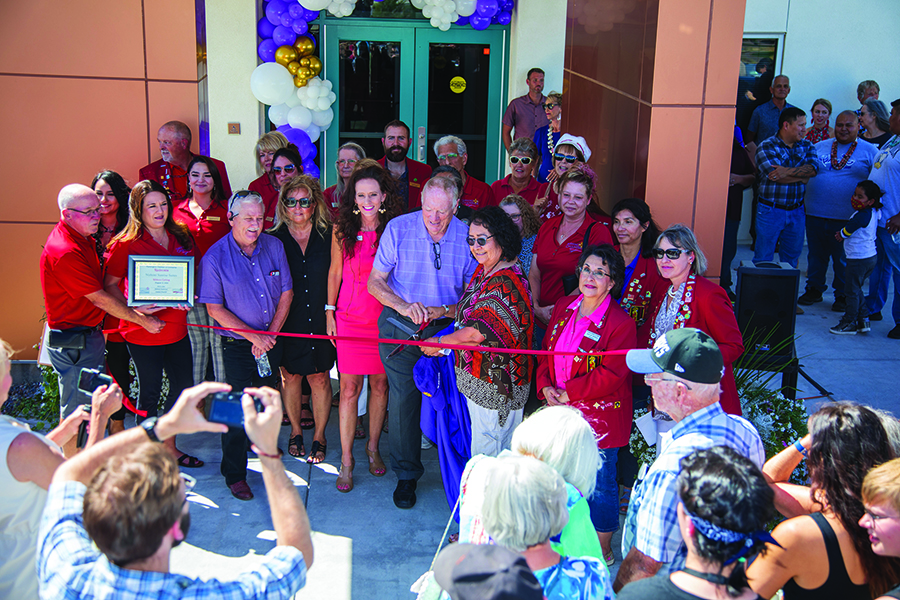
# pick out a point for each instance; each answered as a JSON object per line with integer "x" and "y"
{"x": 494, "y": 312}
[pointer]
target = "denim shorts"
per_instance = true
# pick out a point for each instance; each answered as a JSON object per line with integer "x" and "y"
{"x": 604, "y": 503}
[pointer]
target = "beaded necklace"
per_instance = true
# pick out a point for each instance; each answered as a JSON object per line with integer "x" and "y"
{"x": 837, "y": 166}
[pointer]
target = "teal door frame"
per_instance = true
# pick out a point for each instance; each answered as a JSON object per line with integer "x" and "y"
{"x": 414, "y": 37}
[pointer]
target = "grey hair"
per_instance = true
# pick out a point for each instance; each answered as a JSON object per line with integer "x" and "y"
{"x": 524, "y": 502}
{"x": 525, "y": 146}
{"x": 450, "y": 139}
{"x": 71, "y": 193}
{"x": 681, "y": 236}
{"x": 446, "y": 185}
{"x": 360, "y": 154}
{"x": 891, "y": 427}
{"x": 240, "y": 198}
{"x": 561, "y": 437}
{"x": 880, "y": 111}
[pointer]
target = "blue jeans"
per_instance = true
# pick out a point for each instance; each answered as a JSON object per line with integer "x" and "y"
{"x": 822, "y": 247}
{"x": 774, "y": 224}
{"x": 604, "y": 502}
{"x": 858, "y": 270}
{"x": 880, "y": 280}
{"x": 68, "y": 362}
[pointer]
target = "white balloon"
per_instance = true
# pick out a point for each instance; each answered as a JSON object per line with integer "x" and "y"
{"x": 327, "y": 83}
{"x": 311, "y": 102}
{"x": 465, "y": 8}
{"x": 313, "y": 82}
{"x": 437, "y": 13}
{"x": 323, "y": 104}
{"x": 323, "y": 118}
{"x": 303, "y": 93}
{"x": 313, "y": 132}
{"x": 293, "y": 100}
{"x": 427, "y": 10}
{"x": 420, "y": 4}
{"x": 331, "y": 97}
{"x": 444, "y": 26}
{"x": 435, "y": 22}
{"x": 300, "y": 117}
{"x": 347, "y": 8}
{"x": 271, "y": 83}
{"x": 315, "y": 4}
{"x": 278, "y": 114}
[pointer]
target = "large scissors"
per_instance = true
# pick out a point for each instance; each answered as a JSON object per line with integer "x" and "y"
{"x": 415, "y": 336}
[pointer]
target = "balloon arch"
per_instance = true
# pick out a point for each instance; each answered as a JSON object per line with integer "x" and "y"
{"x": 288, "y": 78}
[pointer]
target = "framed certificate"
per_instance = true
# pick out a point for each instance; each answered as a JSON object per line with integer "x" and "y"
{"x": 160, "y": 280}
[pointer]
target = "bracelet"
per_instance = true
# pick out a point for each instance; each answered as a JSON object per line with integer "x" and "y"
{"x": 259, "y": 452}
{"x": 446, "y": 310}
{"x": 799, "y": 446}
{"x": 330, "y": 307}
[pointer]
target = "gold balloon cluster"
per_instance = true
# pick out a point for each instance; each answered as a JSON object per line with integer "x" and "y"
{"x": 299, "y": 61}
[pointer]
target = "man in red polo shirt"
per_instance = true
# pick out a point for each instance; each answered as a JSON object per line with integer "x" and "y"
{"x": 74, "y": 298}
{"x": 410, "y": 174}
{"x": 171, "y": 170}
{"x": 450, "y": 150}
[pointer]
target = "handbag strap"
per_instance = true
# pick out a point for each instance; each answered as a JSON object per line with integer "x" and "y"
{"x": 587, "y": 234}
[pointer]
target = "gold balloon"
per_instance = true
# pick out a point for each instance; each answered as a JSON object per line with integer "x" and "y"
{"x": 315, "y": 64}
{"x": 300, "y": 81}
{"x": 292, "y": 67}
{"x": 304, "y": 46}
{"x": 304, "y": 62}
{"x": 285, "y": 55}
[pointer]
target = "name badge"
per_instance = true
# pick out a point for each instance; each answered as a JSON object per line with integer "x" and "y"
{"x": 275, "y": 273}
{"x": 214, "y": 219}
{"x": 359, "y": 238}
{"x": 414, "y": 184}
{"x": 592, "y": 336}
{"x": 270, "y": 218}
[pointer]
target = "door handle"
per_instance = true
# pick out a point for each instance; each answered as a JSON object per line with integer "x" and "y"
{"x": 421, "y": 152}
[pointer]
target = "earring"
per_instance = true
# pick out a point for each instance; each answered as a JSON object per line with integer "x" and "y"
{"x": 381, "y": 211}
{"x": 355, "y": 211}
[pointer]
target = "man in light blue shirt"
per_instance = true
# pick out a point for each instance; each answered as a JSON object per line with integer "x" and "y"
{"x": 421, "y": 269}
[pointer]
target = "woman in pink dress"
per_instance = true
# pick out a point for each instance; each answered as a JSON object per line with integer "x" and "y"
{"x": 370, "y": 202}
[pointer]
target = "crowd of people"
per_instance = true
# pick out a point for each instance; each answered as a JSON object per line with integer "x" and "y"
{"x": 481, "y": 275}
{"x": 836, "y": 187}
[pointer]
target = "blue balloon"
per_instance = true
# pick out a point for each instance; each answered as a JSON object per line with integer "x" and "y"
{"x": 311, "y": 15}
{"x": 267, "y": 50}
{"x": 284, "y": 36}
{"x": 504, "y": 18}
{"x": 298, "y": 137}
{"x": 296, "y": 11}
{"x": 311, "y": 169}
{"x": 480, "y": 23}
{"x": 274, "y": 10}
{"x": 484, "y": 8}
{"x": 461, "y": 21}
{"x": 300, "y": 26}
{"x": 286, "y": 20}
{"x": 265, "y": 28}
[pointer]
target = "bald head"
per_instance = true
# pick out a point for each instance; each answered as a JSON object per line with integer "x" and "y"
{"x": 70, "y": 195}
{"x": 79, "y": 208}
{"x": 846, "y": 127}
{"x": 175, "y": 143}
{"x": 183, "y": 131}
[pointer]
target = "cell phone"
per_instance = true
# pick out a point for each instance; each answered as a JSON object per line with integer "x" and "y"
{"x": 81, "y": 440}
{"x": 225, "y": 408}
{"x": 90, "y": 379}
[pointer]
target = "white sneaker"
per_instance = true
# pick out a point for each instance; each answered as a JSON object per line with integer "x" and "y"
{"x": 426, "y": 443}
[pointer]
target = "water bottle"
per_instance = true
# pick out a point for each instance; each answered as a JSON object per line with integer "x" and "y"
{"x": 263, "y": 366}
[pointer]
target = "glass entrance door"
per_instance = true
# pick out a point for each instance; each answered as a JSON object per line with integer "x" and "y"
{"x": 439, "y": 83}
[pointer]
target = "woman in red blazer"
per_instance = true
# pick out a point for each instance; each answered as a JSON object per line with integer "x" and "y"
{"x": 694, "y": 301}
{"x": 598, "y": 386}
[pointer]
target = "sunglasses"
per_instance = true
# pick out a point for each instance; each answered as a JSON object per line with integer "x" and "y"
{"x": 569, "y": 158}
{"x": 448, "y": 156}
{"x": 286, "y": 169}
{"x": 550, "y": 105}
{"x": 482, "y": 241}
{"x": 303, "y": 202}
{"x": 670, "y": 253}
{"x": 436, "y": 249}
{"x": 525, "y": 160}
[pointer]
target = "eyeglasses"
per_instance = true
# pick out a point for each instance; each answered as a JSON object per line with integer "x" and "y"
{"x": 670, "y": 253}
{"x": 285, "y": 168}
{"x": 436, "y": 248}
{"x": 349, "y": 162}
{"x": 189, "y": 482}
{"x": 515, "y": 216}
{"x": 303, "y": 202}
{"x": 88, "y": 213}
{"x": 525, "y": 160}
{"x": 448, "y": 156}
{"x": 569, "y": 158}
{"x": 588, "y": 272}
{"x": 482, "y": 241}
{"x": 550, "y": 105}
{"x": 876, "y": 519}
{"x": 648, "y": 378}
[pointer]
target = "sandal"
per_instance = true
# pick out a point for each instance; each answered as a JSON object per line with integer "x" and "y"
{"x": 376, "y": 465}
{"x": 296, "y": 442}
{"x": 316, "y": 453}
{"x": 624, "y": 501}
{"x": 285, "y": 420}
{"x": 360, "y": 430}
{"x": 344, "y": 481}
{"x": 306, "y": 422}
{"x": 189, "y": 462}
{"x": 609, "y": 559}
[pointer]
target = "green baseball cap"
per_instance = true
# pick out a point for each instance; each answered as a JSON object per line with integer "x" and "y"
{"x": 687, "y": 353}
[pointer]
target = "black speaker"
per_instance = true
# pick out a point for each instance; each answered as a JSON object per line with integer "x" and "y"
{"x": 766, "y": 306}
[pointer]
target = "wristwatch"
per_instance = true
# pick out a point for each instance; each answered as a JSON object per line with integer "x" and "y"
{"x": 149, "y": 425}
{"x": 446, "y": 310}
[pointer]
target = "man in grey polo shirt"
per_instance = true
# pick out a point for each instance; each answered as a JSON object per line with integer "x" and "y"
{"x": 421, "y": 268}
{"x": 526, "y": 113}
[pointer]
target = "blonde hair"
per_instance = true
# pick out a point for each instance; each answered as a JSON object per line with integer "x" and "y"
{"x": 321, "y": 218}
{"x": 882, "y": 485}
{"x": 269, "y": 142}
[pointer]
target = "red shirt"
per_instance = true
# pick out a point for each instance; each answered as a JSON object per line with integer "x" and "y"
{"x": 175, "y": 179}
{"x": 262, "y": 185}
{"x": 332, "y": 200}
{"x": 476, "y": 194}
{"x": 70, "y": 270}
{"x": 117, "y": 266}
{"x": 416, "y": 175}
{"x": 555, "y": 260}
{"x": 211, "y": 227}
{"x": 502, "y": 188}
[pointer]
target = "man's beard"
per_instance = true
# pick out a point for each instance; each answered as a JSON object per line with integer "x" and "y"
{"x": 396, "y": 153}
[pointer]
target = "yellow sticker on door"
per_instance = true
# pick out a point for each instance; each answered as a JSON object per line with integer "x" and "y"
{"x": 458, "y": 85}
